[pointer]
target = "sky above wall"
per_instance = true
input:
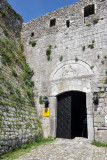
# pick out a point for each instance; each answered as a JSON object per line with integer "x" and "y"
{"x": 31, "y": 9}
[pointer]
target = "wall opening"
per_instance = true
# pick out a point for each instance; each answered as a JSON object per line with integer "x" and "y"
{"x": 71, "y": 115}
{"x": 52, "y": 22}
{"x": 78, "y": 115}
{"x": 68, "y": 23}
{"x": 32, "y": 34}
{"x": 89, "y": 10}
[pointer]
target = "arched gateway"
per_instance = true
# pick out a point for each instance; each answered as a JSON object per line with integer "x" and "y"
{"x": 70, "y": 92}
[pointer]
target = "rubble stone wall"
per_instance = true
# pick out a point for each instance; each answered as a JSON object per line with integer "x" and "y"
{"x": 19, "y": 122}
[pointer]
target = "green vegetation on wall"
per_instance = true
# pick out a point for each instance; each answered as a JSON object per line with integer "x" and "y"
{"x": 18, "y": 115}
{"x": 3, "y": 13}
{"x": 48, "y": 52}
{"x": 33, "y": 43}
{"x": 83, "y": 48}
{"x": 40, "y": 100}
{"x": 61, "y": 58}
{"x": 13, "y": 57}
{"x": 16, "y": 92}
{"x": 95, "y": 20}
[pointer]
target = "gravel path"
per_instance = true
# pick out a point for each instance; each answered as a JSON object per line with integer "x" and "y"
{"x": 64, "y": 149}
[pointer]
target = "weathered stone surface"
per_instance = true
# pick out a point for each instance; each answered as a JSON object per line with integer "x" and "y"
{"x": 79, "y": 70}
{"x": 16, "y": 120}
{"x": 12, "y": 20}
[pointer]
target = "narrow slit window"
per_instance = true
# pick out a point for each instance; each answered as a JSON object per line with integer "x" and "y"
{"x": 52, "y": 22}
{"x": 89, "y": 10}
{"x": 32, "y": 34}
{"x": 68, "y": 23}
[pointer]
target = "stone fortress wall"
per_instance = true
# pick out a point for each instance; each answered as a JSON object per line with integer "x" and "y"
{"x": 18, "y": 118}
{"x": 78, "y": 60}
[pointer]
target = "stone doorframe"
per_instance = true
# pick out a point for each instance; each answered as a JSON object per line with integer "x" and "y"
{"x": 68, "y": 76}
{"x": 53, "y": 110}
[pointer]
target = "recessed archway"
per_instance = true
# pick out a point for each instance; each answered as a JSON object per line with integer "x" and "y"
{"x": 71, "y": 115}
{"x": 71, "y": 76}
{"x": 70, "y": 86}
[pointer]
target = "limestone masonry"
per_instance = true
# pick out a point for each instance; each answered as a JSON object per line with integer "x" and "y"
{"x": 19, "y": 123}
{"x": 67, "y": 50}
{"x": 76, "y": 39}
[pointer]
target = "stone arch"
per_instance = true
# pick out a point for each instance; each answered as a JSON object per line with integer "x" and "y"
{"x": 71, "y": 69}
{"x": 71, "y": 76}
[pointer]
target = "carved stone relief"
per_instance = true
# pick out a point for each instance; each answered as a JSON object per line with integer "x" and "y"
{"x": 71, "y": 69}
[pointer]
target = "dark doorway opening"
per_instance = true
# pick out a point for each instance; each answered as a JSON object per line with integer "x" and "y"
{"x": 71, "y": 115}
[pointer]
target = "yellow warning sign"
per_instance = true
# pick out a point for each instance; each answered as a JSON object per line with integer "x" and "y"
{"x": 46, "y": 113}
